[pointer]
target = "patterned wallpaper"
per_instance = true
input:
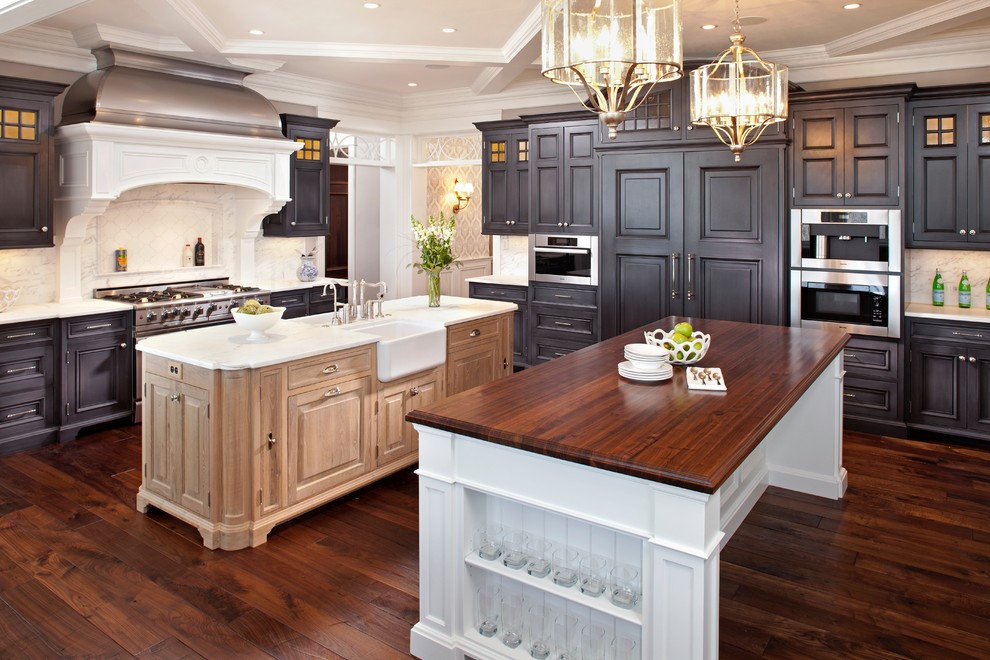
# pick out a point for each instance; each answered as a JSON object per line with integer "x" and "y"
{"x": 451, "y": 148}
{"x": 469, "y": 243}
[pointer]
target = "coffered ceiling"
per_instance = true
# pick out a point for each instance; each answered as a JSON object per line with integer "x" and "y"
{"x": 494, "y": 45}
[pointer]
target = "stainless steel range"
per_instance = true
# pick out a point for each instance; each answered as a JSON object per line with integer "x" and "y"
{"x": 162, "y": 308}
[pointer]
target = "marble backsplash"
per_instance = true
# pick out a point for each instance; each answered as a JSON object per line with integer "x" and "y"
{"x": 513, "y": 256}
{"x": 919, "y": 271}
{"x": 153, "y": 224}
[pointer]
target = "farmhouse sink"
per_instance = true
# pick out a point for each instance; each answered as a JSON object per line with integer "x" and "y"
{"x": 405, "y": 347}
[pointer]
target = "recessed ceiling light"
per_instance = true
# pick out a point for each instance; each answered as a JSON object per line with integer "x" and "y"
{"x": 371, "y": 5}
{"x": 412, "y": 84}
{"x": 448, "y": 30}
{"x": 710, "y": 26}
{"x": 852, "y": 5}
{"x": 256, "y": 33}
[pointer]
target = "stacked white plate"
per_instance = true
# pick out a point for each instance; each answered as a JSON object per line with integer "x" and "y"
{"x": 646, "y": 362}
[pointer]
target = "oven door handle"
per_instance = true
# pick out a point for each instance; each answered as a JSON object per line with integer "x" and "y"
{"x": 562, "y": 250}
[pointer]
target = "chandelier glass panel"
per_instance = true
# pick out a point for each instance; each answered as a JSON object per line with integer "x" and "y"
{"x": 739, "y": 94}
{"x": 613, "y": 51}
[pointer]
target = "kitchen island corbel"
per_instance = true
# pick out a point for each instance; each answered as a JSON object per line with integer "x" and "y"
{"x": 651, "y": 476}
{"x": 239, "y": 437}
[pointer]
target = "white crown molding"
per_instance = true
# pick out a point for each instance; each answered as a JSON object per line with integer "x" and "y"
{"x": 256, "y": 64}
{"x": 366, "y": 52}
{"x": 47, "y": 47}
{"x": 194, "y": 16}
{"x": 96, "y": 35}
{"x": 24, "y": 14}
{"x": 924, "y": 22}
{"x": 529, "y": 28}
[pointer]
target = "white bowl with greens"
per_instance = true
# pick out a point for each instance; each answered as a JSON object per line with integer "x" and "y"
{"x": 256, "y": 318}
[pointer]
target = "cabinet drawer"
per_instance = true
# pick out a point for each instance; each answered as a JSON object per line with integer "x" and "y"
{"x": 26, "y": 369}
{"x": 26, "y": 412}
{"x": 544, "y": 349}
{"x": 570, "y": 326}
{"x": 960, "y": 332}
{"x": 871, "y": 399}
{"x": 516, "y": 294}
{"x": 327, "y": 368}
{"x": 96, "y": 325}
{"x": 26, "y": 333}
{"x": 471, "y": 331}
{"x": 290, "y": 298}
{"x": 586, "y": 297}
{"x": 871, "y": 358}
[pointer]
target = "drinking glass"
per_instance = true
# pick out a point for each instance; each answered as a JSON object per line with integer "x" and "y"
{"x": 488, "y": 602}
{"x": 488, "y": 542}
{"x": 541, "y": 620}
{"x": 625, "y": 648}
{"x": 624, "y": 583}
{"x": 592, "y": 570}
{"x": 514, "y": 548}
{"x": 565, "y": 567}
{"x": 539, "y": 553}
{"x": 513, "y": 618}
{"x": 594, "y": 642}
{"x": 567, "y": 637}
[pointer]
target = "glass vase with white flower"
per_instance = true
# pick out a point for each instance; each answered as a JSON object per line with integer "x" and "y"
{"x": 435, "y": 242}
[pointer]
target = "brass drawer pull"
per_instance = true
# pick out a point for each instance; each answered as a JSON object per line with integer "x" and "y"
{"x": 475, "y": 333}
{"x": 333, "y": 391}
{"x": 332, "y": 369}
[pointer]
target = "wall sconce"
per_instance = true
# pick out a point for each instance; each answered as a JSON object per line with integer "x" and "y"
{"x": 462, "y": 191}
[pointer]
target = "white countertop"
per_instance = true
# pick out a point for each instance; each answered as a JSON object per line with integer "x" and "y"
{"x": 948, "y": 313}
{"x": 512, "y": 280}
{"x": 225, "y": 346}
{"x": 60, "y": 310}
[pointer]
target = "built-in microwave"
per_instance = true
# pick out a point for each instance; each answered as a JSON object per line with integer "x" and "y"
{"x": 563, "y": 258}
{"x": 844, "y": 239}
{"x": 859, "y": 303}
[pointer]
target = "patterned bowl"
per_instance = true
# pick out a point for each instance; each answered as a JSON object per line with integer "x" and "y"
{"x": 8, "y": 294}
{"x": 686, "y": 353}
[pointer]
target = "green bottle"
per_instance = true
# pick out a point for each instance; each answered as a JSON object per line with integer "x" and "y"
{"x": 988, "y": 294}
{"x": 965, "y": 293}
{"x": 938, "y": 290}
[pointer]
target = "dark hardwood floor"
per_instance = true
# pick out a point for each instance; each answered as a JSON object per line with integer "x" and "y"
{"x": 898, "y": 569}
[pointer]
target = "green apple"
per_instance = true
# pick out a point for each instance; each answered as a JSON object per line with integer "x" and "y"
{"x": 684, "y": 328}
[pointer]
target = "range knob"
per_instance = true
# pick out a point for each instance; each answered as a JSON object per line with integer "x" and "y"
{"x": 166, "y": 313}
{"x": 184, "y": 312}
{"x": 151, "y": 316}
{"x": 197, "y": 312}
{"x": 210, "y": 308}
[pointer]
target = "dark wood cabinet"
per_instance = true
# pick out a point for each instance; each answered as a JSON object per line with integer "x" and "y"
{"x": 308, "y": 212}
{"x": 28, "y": 408}
{"x": 847, "y": 153}
{"x": 505, "y": 177}
{"x": 873, "y": 386}
{"x": 27, "y": 157}
{"x": 691, "y": 233}
{"x": 296, "y": 302}
{"x": 950, "y": 378}
{"x": 562, "y": 319}
{"x": 98, "y": 376}
{"x": 520, "y": 319}
{"x": 950, "y": 173}
{"x": 563, "y": 177}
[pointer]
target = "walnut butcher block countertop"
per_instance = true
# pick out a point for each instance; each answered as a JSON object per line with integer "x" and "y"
{"x": 577, "y": 407}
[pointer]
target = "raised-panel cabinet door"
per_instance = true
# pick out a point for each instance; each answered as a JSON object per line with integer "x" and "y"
{"x": 937, "y": 385}
{"x": 329, "y": 431}
{"x": 872, "y": 156}
{"x": 272, "y": 445}
{"x": 473, "y": 365}
{"x": 733, "y": 235}
{"x": 580, "y": 208}
{"x": 193, "y": 441}
{"x": 642, "y": 239}
{"x": 396, "y": 436}
{"x": 546, "y": 200}
{"x": 978, "y": 230}
{"x": 99, "y": 378}
{"x": 496, "y": 181}
{"x": 940, "y": 175}
{"x": 978, "y": 392}
{"x": 159, "y": 450}
{"x": 818, "y": 166}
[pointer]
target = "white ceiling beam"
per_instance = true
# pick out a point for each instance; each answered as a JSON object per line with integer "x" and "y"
{"x": 520, "y": 51}
{"x": 910, "y": 28}
{"x": 186, "y": 22}
{"x": 25, "y": 12}
{"x": 384, "y": 53}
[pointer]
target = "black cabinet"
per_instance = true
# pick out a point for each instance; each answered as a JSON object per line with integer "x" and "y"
{"x": 308, "y": 212}
{"x": 563, "y": 177}
{"x": 98, "y": 376}
{"x": 691, "y": 233}
{"x": 950, "y": 378}
{"x": 950, "y": 203}
{"x": 872, "y": 389}
{"x": 505, "y": 177}
{"x": 27, "y": 157}
{"x": 562, "y": 319}
{"x": 28, "y": 416}
{"x": 848, "y": 152}
{"x": 296, "y": 302}
{"x": 520, "y": 329}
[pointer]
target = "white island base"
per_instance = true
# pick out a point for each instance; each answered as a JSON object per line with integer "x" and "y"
{"x": 672, "y": 535}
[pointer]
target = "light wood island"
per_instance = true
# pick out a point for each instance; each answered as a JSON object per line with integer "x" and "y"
{"x": 239, "y": 437}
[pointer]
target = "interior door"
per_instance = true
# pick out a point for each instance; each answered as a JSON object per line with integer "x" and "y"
{"x": 642, "y": 239}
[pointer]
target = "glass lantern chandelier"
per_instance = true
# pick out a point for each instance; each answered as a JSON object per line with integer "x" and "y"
{"x": 612, "y": 50}
{"x": 739, "y": 94}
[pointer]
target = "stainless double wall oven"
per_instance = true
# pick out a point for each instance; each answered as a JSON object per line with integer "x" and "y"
{"x": 846, "y": 270}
